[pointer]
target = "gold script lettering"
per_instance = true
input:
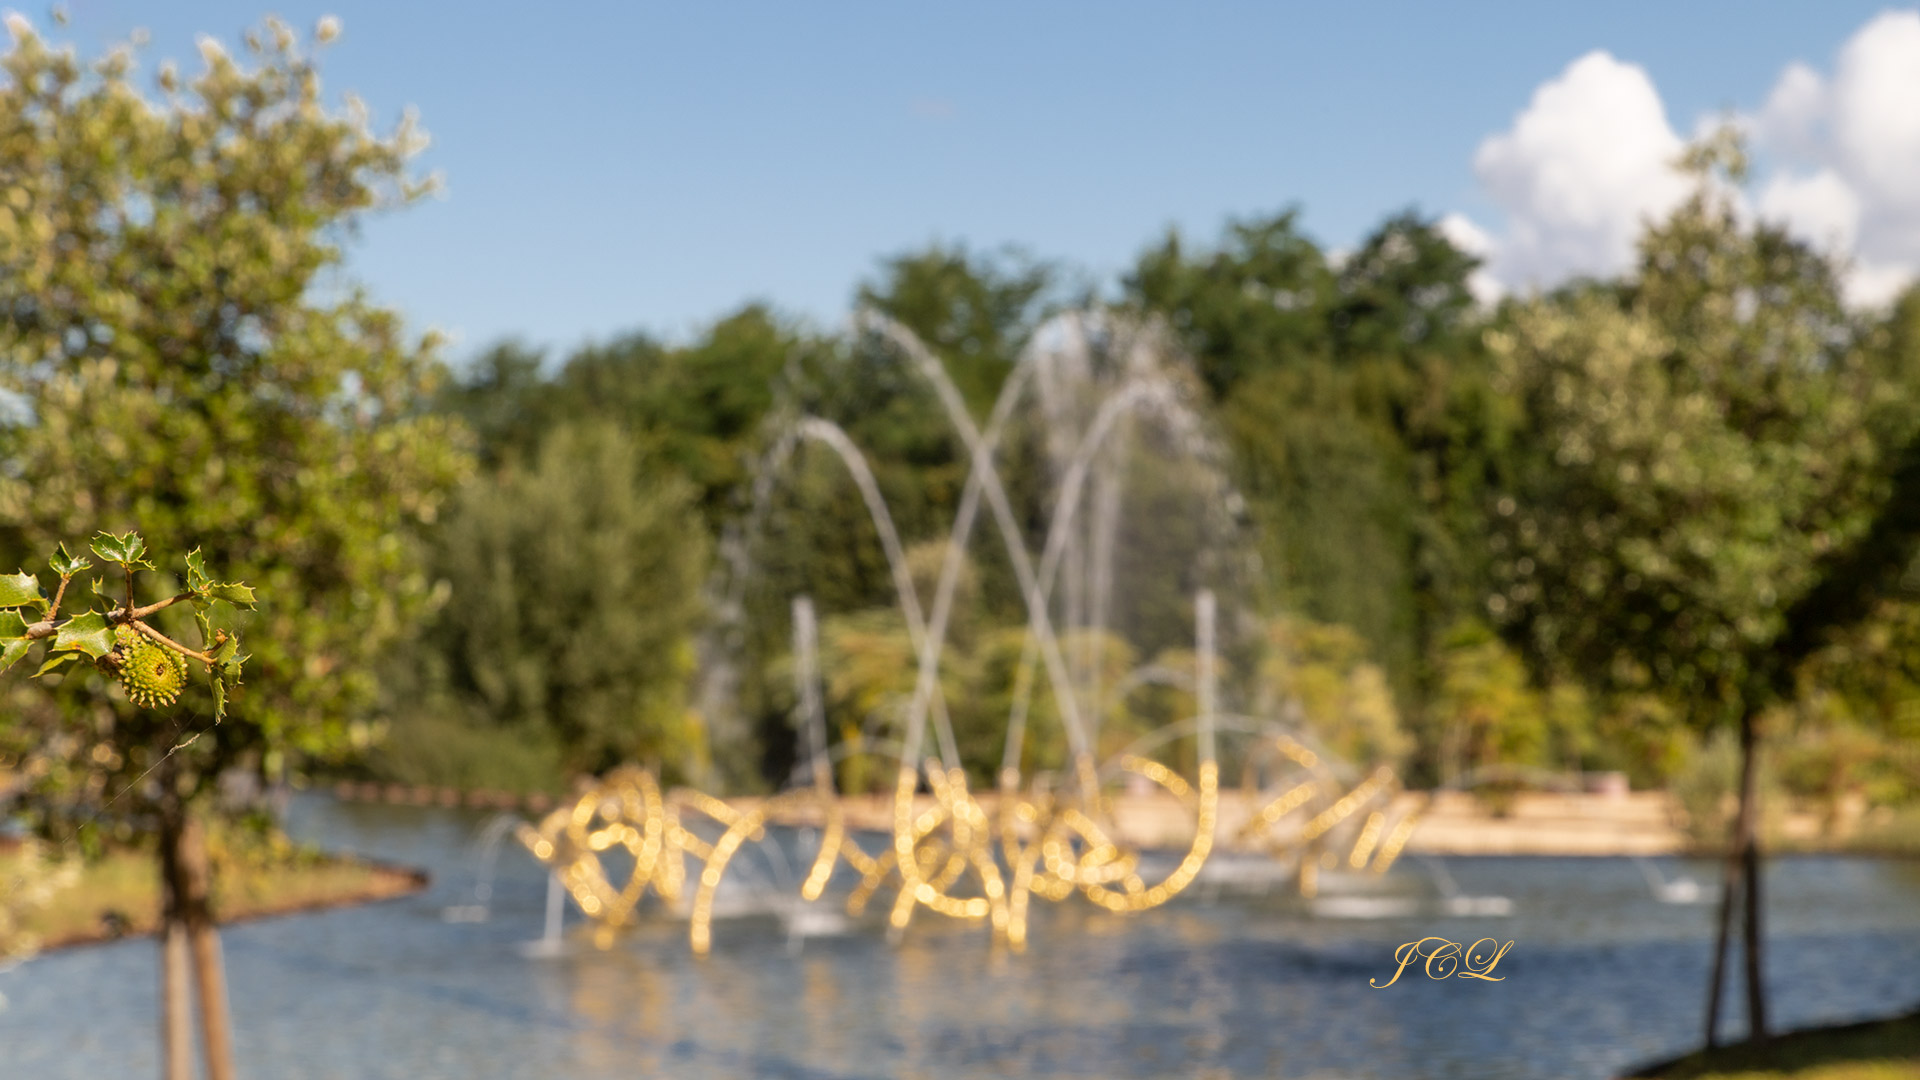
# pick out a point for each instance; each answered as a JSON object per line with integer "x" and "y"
{"x": 1405, "y": 956}
{"x": 1446, "y": 959}
{"x": 1446, "y": 954}
{"x": 1485, "y": 961}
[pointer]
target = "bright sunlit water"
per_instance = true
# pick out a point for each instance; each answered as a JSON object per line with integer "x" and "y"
{"x": 1601, "y": 977}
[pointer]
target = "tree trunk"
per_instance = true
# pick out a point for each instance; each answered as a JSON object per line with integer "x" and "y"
{"x": 1749, "y": 842}
{"x": 1729, "y": 895}
{"x": 183, "y": 861}
{"x": 176, "y": 1024}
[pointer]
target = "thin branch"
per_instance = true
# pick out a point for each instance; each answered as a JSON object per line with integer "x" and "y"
{"x": 163, "y": 639}
{"x": 58, "y": 595}
{"x": 143, "y": 612}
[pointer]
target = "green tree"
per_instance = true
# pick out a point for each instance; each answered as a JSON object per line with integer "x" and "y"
{"x": 1357, "y": 400}
{"x": 1720, "y": 482}
{"x": 1342, "y": 694}
{"x": 975, "y": 311}
{"x": 572, "y": 593}
{"x": 699, "y": 409}
{"x": 176, "y": 368}
{"x": 505, "y": 398}
{"x": 1486, "y": 707}
{"x": 1257, "y": 303}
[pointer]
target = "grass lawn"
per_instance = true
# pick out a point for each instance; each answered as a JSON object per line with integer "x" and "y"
{"x": 1881, "y": 1050}
{"x": 119, "y": 894}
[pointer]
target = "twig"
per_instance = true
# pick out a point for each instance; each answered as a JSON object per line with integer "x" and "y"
{"x": 58, "y": 595}
{"x": 143, "y": 612}
{"x": 171, "y": 644}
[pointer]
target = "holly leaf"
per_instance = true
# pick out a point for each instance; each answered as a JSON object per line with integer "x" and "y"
{"x": 21, "y": 590}
{"x": 233, "y": 592}
{"x": 197, "y": 576}
{"x": 68, "y": 565}
{"x": 127, "y": 549}
{"x": 219, "y": 700}
{"x": 110, "y": 548}
{"x": 13, "y": 639}
{"x": 87, "y": 633}
{"x": 58, "y": 663}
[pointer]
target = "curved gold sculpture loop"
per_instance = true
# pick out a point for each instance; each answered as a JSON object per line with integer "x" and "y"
{"x": 951, "y": 857}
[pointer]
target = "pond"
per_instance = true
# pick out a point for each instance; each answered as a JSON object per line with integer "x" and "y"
{"x": 1601, "y": 976}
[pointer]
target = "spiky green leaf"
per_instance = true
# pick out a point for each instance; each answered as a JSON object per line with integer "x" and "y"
{"x": 197, "y": 577}
{"x": 233, "y": 592}
{"x": 127, "y": 549}
{"x": 21, "y": 590}
{"x": 68, "y": 565}
{"x": 88, "y": 633}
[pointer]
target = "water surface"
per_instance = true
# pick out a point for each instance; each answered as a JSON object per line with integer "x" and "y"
{"x": 1601, "y": 977}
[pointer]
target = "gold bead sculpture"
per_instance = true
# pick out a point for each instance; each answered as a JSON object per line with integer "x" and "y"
{"x": 954, "y": 857}
{"x": 983, "y": 858}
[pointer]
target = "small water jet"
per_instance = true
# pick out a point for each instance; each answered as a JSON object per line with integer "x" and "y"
{"x": 487, "y": 847}
{"x": 1454, "y": 902}
{"x": 1681, "y": 890}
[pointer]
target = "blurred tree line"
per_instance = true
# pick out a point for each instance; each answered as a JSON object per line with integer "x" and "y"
{"x": 1382, "y": 425}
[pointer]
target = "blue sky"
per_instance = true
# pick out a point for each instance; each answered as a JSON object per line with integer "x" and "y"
{"x": 639, "y": 166}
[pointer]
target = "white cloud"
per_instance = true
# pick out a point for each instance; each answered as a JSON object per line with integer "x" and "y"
{"x": 1588, "y": 160}
{"x": 1793, "y": 116}
{"x": 1472, "y": 239}
{"x": 1820, "y": 208}
{"x": 1847, "y": 152}
{"x": 1838, "y": 156}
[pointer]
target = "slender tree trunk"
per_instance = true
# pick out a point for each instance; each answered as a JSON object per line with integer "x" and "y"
{"x": 183, "y": 859}
{"x": 1729, "y": 895}
{"x": 1750, "y": 866}
{"x": 176, "y": 1024}
{"x": 176, "y": 1015}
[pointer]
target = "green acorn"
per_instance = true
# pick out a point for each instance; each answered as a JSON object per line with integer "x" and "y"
{"x": 151, "y": 674}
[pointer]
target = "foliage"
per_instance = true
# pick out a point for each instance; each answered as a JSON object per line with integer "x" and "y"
{"x": 178, "y": 368}
{"x": 30, "y": 881}
{"x": 121, "y": 641}
{"x": 572, "y": 585}
{"x": 1256, "y": 304}
{"x": 1706, "y": 436}
{"x": 1356, "y": 398}
{"x": 974, "y": 311}
{"x": 1486, "y": 709}
{"x": 1342, "y": 694}
{"x": 1706, "y": 784}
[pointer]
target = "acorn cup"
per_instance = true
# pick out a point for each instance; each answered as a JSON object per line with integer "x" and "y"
{"x": 151, "y": 675}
